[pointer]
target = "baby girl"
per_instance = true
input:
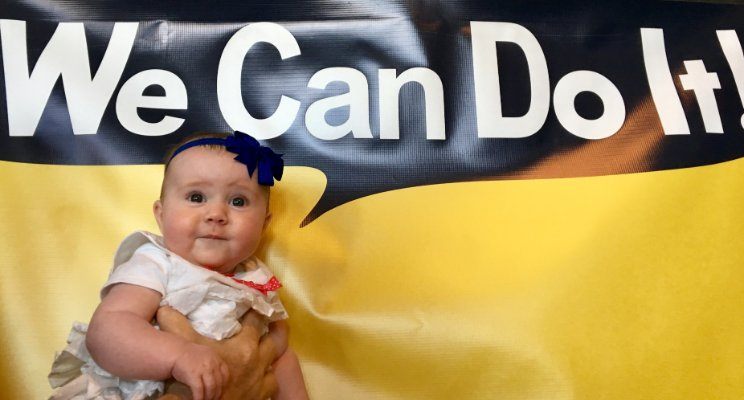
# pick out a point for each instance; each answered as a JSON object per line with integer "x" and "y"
{"x": 213, "y": 208}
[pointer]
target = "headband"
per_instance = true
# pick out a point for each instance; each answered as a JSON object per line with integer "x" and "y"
{"x": 249, "y": 152}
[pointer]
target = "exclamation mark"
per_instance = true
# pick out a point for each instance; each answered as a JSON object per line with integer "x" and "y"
{"x": 732, "y": 50}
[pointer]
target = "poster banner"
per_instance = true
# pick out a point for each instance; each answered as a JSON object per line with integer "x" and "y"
{"x": 518, "y": 199}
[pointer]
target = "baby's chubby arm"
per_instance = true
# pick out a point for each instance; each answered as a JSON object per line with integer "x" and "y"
{"x": 121, "y": 339}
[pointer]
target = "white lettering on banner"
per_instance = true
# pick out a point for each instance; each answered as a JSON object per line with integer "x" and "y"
{"x": 390, "y": 86}
{"x": 702, "y": 83}
{"x": 65, "y": 55}
{"x": 490, "y": 121}
{"x": 357, "y": 99}
{"x": 564, "y": 97}
{"x": 130, "y": 98}
{"x": 229, "y": 93}
{"x": 732, "y": 50}
{"x": 660, "y": 81}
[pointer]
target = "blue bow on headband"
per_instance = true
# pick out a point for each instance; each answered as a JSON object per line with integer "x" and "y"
{"x": 249, "y": 152}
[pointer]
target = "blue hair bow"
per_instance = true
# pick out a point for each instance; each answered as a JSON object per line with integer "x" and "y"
{"x": 249, "y": 152}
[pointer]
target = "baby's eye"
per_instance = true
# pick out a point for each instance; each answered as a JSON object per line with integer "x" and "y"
{"x": 196, "y": 198}
{"x": 238, "y": 202}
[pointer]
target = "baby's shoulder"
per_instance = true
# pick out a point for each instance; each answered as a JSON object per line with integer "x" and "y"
{"x": 141, "y": 262}
{"x": 141, "y": 247}
{"x": 152, "y": 252}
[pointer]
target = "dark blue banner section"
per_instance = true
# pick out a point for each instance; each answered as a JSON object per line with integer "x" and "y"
{"x": 383, "y": 95}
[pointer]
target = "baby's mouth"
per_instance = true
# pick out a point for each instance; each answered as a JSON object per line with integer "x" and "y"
{"x": 213, "y": 237}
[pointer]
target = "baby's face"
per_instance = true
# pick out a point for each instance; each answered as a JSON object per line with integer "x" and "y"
{"x": 211, "y": 213}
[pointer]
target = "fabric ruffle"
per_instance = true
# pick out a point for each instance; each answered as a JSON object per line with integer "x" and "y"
{"x": 76, "y": 376}
{"x": 215, "y": 309}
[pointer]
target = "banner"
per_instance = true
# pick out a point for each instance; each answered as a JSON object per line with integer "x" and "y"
{"x": 510, "y": 200}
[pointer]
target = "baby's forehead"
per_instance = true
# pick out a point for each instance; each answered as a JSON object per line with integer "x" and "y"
{"x": 200, "y": 152}
{"x": 201, "y": 161}
{"x": 197, "y": 157}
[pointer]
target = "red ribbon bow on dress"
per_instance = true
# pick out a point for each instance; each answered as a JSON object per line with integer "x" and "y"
{"x": 270, "y": 286}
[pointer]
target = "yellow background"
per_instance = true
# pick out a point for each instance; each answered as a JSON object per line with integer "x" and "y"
{"x": 617, "y": 287}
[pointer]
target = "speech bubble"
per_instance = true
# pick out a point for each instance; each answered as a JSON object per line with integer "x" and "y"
{"x": 438, "y": 40}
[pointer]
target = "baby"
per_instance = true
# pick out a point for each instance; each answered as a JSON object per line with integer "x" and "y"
{"x": 212, "y": 210}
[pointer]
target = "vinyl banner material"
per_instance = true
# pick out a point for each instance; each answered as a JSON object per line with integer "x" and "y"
{"x": 492, "y": 200}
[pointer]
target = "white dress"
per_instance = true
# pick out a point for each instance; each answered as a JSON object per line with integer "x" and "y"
{"x": 212, "y": 302}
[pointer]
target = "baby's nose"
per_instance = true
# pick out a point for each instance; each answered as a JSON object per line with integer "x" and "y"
{"x": 216, "y": 214}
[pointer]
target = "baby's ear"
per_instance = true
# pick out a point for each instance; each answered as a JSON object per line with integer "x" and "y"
{"x": 267, "y": 220}
{"x": 157, "y": 211}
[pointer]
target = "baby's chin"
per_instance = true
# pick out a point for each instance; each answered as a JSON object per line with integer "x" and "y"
{"x": 217, "y": 265}
{"x": 212, "y": 256}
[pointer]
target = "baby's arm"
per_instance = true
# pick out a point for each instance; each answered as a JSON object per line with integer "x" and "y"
{"x": 289, "y": 377}
{"x": 121, "y": 339}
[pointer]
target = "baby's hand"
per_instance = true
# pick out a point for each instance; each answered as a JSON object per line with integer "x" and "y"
{"x": 202, "y": 370}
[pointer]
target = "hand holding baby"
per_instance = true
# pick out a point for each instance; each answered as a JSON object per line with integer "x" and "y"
{"x": 248, "y": 355}
{"x": 202, "y": 370}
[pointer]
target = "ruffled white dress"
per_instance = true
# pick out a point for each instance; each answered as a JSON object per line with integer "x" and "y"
{"x": 213, "y": 303}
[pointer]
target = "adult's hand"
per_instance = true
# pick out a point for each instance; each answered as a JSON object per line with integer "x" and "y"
{"x": 248, "y": 355}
